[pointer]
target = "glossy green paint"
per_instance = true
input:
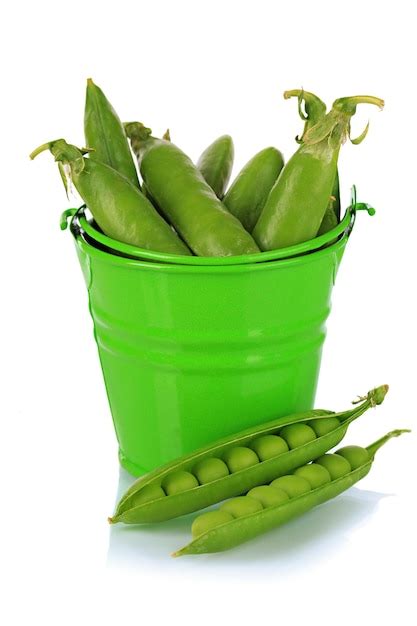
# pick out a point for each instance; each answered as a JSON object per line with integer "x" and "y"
{"x": 186, "y": 199}
{"x": 193, "y": 353}
{"x": 104, "y": 133}
{"x": 247, "y": 194}
{"x": 234, "y": 532}
{"x": 216, "y": 163}
{"x": 297, "y": 202}
{"x": 242, "y": 480}
{"x": 118, "y": 207}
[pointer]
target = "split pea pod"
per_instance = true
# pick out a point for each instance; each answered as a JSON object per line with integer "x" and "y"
{"x": 269, "y": 506}
{"x": 216, "y": 163}
{"x": 185, "y": 198}
{"x": 235, "y": 464}
{"x": 247, "y": 194}
{"x": 104, "y": 133}
{"x": 118, "y": 207}
{"x": 314, "y": 111}
{"x": 297, "y": 202}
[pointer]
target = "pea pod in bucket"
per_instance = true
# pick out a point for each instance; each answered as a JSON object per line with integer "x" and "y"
{"x": 236, "y": 464}
{"x": 267, "y": 507}
{"x": 119, "y": 208}
{"x": 297, "y": 203}
{"x": 186, "y": 199}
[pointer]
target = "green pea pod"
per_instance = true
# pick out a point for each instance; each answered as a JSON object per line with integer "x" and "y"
{"x": 297, "y": 203}
{"x": 216, "y": 164}
{"x": 146, "y": 501}
{"x": 186, "y": 199}
{"x": 314, "y": 111}
{"x": 330, "y": 219}
{"x": 118, "y": 207}
{"x": 233, "y": 531}
{"x": 104, "y": 133}
{"x": 248, "y": 193}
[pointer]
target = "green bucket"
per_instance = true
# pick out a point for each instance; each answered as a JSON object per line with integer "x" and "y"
{"x": 192, "y": 353}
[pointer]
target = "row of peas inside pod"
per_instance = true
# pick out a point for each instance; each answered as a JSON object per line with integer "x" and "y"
{"x": 266, "y": 507}
{"x": 169, "y": 204}
{"x": 236, "y": 464}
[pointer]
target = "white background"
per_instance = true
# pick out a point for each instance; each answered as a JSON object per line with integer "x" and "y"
{"x": 203, "y": 69}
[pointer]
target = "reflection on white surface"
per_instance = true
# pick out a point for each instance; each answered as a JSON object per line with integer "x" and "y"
{"x": 306, "y": 541}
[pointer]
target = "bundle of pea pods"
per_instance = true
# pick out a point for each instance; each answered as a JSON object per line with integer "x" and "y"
{"x": 263, "y": 477}
{"x": 183, "y": 208}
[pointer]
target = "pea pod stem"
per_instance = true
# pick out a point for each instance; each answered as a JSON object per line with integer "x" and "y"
{"x": 241, "y": 529}
{"x": 314, "y": 108}
{"x": 374, "y": 447}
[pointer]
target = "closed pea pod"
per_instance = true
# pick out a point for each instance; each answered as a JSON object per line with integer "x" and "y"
{"x": 231, "y": 533}
{"x": 185, "y": 198}
{"x": 119, "y": 208}
{"x": 249, "y": 472}
{"x": 104, "y": 133}
{"x": 247, "y": 194}
{"x": 216, "y": 164}
{"x": 315, "y": 110}
{"x": 297, "y": 202}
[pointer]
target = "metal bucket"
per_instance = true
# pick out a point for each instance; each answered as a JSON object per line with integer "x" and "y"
{"x": 191, "y": 353}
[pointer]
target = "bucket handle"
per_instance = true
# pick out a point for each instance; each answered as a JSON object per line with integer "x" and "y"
{"x": 66, "y": 219}
{"x": 357, "y": 206}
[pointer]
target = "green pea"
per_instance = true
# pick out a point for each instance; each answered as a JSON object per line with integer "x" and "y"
{"x": 240, "y": 458}
{"x": 243, "y": 505}
{"x": 323, "y": 426}
{"x": 269, "y": 446}
{"x": 316, "y": 475}
{"x": 293, "y": 485}
{"x": 179, "y": 481}
{"x": 336, "y": 465}
{"x": 268, "y": 496}
{"x": 209, "y": 520}
{"x": 147, "y": 494}
{"x": 297, "y": 434}
{"x": 208, "y": 470}
{"x": 356, "y": 455}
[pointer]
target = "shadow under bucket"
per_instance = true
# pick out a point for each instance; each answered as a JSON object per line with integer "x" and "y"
{"x": 192, "y": 353}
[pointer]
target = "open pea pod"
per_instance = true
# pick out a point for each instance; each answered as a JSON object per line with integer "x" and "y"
{"x": 147, "y": 500}
{"x": 232, "y": 531}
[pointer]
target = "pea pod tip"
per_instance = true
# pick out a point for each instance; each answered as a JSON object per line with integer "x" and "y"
{"x": 377, "y": 395}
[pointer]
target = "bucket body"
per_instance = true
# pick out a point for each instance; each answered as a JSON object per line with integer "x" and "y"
{"x": 193, "y": 353}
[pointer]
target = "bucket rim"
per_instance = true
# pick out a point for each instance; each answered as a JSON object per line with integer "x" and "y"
{"x": 79, "y": 225}
{"x": 135, "y": 263}
{"x": 79, "y": 222}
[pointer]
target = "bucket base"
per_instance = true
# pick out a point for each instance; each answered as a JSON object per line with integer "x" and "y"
{"x": 129, "y": 466}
